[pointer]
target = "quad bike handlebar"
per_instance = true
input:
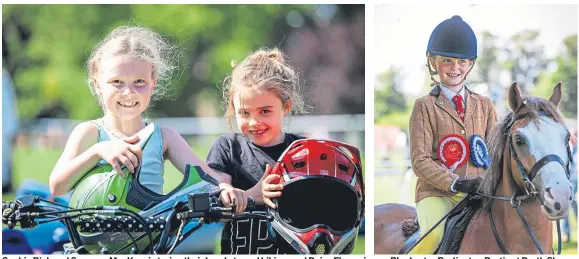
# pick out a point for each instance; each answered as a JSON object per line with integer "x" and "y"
{"x": 30, "y": 211}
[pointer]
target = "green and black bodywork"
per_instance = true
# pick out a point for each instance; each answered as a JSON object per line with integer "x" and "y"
{"x": 102, "y": 186}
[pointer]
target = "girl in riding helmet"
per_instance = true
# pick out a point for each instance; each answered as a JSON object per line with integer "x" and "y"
{"x": 441, "y": 126}
{"x": 126, "y": 70}
{"x": 260, "y": 92}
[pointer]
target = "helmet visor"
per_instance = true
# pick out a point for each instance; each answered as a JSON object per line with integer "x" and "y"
{"x": 319, "y": 201}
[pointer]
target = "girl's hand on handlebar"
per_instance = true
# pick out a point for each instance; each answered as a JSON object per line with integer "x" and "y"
{"x": 233, "y": 196}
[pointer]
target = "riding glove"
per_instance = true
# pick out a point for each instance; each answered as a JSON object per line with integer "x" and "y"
{"x": 465, "y": 185}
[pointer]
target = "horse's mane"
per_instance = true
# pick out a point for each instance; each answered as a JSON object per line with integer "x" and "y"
{"x": 497, "y": 141}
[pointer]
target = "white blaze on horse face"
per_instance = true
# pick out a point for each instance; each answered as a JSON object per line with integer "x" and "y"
{"x": 550, "y": 137}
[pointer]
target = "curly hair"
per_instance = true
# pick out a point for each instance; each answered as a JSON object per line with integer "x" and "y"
{"x": 267, "y": 70}
{"x": 137, "y": 42}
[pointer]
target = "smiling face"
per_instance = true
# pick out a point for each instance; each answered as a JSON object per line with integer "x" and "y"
{"x": 125, "y": 85}
{"x": 259, "y": 114}
{"x": 452, "y": 71}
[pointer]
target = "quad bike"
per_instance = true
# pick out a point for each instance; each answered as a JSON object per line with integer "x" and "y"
{"x": 110, "y": 214}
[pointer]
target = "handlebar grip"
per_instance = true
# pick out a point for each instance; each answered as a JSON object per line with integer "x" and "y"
{"x": 6, "y": 212}
{"x": 120, "y": 224}
{"x": 206, "y": 202}
{"x": 22, "y": 211}
{"x": 250, "y": 204}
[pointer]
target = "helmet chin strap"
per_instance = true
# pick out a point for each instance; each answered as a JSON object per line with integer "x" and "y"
{"x": 431, "y": 71}
{"x": 468, "y": 72}
{"x": 434, "y": 72}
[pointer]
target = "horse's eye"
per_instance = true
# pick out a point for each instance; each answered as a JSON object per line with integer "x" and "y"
{"x": 519, "y": 141}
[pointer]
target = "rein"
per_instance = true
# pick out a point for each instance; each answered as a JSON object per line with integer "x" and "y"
{"x": 515, "y": 202}
{"x": 530, "y": 189}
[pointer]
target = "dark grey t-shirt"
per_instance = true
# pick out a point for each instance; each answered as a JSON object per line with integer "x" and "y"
{"x": 236, "y": 155}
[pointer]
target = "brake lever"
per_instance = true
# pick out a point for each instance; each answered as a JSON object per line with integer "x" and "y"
{"x": 233, "y": 206}
{"x": 8, "y": 211}
{"x": 250, "y": 204}
{"x": 23, "y": 210}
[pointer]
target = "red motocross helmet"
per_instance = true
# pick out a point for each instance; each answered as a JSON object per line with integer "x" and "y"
{"x": 322, "y": 203}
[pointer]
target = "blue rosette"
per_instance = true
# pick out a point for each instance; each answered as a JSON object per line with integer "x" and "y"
{"x": 479, "y": 151}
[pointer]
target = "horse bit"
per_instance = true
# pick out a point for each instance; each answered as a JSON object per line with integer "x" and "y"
{"x": 530, "y": 189}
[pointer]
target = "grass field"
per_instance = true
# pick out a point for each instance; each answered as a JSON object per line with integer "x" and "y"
{"x": 389, "y": 188}
{"x": 37, "y": 164}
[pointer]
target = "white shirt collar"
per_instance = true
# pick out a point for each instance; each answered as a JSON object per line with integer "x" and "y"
{"x": 450, "y": 94}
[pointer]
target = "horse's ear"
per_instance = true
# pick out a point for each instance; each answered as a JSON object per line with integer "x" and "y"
{"x": 515, "y": 99}
{"x": 556, "y": 96}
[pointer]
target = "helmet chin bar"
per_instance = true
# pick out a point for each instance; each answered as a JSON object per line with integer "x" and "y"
{"x": 345, "y": 241}
{"x": 320, "y": 243}
{"x": 291, "y": 238}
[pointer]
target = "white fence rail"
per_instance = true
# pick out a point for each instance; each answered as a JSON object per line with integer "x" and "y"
{"x": 346, "y": 128}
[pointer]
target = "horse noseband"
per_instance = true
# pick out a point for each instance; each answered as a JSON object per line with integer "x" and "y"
{"x": 544, "y": 161}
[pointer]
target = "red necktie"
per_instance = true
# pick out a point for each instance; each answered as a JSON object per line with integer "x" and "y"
{"x": 457, "y": 99}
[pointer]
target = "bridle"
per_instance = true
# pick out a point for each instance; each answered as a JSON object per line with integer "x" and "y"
{"x": 530, "y": 189}
{"x": 528, "y": 177}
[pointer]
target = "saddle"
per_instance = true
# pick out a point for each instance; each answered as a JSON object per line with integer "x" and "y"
{"x": 454, "y": 228}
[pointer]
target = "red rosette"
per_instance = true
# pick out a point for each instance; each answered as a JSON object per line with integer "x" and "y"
{"x": 453, "y": 150}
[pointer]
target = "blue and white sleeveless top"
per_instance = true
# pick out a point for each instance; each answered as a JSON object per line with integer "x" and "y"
{"x": 153, "y": 162}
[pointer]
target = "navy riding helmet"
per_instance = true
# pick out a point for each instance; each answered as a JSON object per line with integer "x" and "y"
{"x": 453, "y": 38}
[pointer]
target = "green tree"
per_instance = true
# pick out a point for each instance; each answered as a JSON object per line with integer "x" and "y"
{"x": 525, "y": 58}
{"x": 487, "y": 62}
{"x": 45, "y": 48}
{"x": 566, "y": 73}
{"x": 388, "y": 97}
{"x": 488, "y": 66}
